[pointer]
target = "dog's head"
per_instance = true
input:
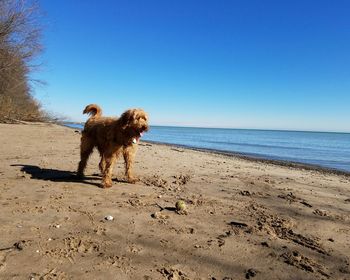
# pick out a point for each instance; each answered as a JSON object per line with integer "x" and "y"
{"x": 135, "y": 121}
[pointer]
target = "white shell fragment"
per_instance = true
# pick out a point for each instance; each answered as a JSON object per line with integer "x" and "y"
{"x": 109, "y": 218}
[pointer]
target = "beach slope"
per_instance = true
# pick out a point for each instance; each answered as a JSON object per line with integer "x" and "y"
{"x": 244, "y": 218}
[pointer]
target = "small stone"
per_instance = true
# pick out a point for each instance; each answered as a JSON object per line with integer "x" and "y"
{"x": 57, "y": 226}
{"x": 320, "y": 212}
{"x": 109, "y": 218}
{"x": 245, "y": 193}
{"x": 250, "y": 273}
{"x": 159, "y": 215}
{"x": 19, "y": 245}
{"x": 296, "y": 256}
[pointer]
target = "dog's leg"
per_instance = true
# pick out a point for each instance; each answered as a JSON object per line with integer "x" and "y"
{"x": 109, "y": 159}
{"x": 86, "y": 148}
{"x": 102, "y": 164}
{"x": 129, "y": 156}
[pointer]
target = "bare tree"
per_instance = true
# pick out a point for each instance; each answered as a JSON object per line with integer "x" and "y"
{"x": 20, "y": 44}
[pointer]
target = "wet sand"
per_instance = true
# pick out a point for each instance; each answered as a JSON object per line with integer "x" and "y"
{"x": 245, "y": 219}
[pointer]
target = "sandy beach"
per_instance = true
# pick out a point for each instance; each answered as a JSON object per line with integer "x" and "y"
{"x": 245, "y": 219}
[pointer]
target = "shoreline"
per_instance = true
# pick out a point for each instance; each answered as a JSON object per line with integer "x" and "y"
{"x": 249, "y": 157}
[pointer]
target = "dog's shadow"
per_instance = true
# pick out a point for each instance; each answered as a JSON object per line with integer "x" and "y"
{"x": 56, "y": 175}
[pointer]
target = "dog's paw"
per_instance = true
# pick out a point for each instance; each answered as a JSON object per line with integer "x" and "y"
{"x": 107, "y": 184}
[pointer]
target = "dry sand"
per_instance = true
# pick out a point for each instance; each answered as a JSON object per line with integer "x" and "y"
{"x": 245, "y": 219}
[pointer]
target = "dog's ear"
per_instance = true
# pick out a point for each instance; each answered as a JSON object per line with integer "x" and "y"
{"x": 127, "y": 118}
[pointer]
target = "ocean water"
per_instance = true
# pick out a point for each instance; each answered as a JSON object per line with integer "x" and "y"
{"x": 325, "y": 149}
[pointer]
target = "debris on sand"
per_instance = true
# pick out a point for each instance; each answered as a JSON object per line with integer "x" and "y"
{"x": 320, "y": 212}
{"x": 181, "y": 179}
{"x": 306, "y": 204}
{"x": 289, "y": 196}
{"x": 18, "y": 246}
{"x": 109, "y": 218}
{"x": 250, "y": 273}
{"x": 159, "y": 215}
{"x": 245, "y": 193}
{"x": 238, "y": 224}
{"x": 156, "y": 181}
{"x": 173, "y": 274}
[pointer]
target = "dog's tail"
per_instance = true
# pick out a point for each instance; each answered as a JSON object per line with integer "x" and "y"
{"x": 93, "y": 110}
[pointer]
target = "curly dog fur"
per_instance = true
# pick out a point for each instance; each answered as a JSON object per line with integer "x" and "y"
{"x": 112, "y": 137}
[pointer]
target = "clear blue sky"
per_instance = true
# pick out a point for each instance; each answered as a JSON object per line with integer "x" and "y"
{"x": 244, "y": 64}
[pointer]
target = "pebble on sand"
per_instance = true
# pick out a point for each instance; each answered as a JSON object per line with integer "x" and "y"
{"x": 109, "y": 218}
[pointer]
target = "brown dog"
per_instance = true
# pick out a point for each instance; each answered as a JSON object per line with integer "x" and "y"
{"x": 112, "y": 137}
